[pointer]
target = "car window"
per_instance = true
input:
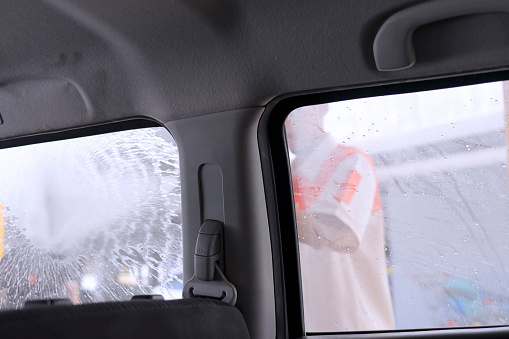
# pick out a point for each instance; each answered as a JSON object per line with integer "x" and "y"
{"x": 401, "y": 204}
{"x": 91, "y": 219}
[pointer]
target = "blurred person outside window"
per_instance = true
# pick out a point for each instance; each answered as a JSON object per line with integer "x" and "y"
{"x": 340, "y": 228}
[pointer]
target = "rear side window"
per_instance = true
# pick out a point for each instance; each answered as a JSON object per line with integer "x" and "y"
{"x": 91, "y": 219}
{"x": 402, "y": 209}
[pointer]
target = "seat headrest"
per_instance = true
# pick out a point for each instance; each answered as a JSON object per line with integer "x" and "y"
{"x": 186, "y": 318}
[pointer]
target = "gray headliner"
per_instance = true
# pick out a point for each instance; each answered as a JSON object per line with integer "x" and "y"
{"x": 177, "y": 59}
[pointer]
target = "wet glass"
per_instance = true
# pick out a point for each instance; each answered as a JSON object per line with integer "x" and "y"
{"x": 91, "y": 219}
{"x": 402, "y": 209}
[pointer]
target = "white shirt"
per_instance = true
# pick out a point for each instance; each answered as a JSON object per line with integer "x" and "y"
{"x": 341, "y": 241}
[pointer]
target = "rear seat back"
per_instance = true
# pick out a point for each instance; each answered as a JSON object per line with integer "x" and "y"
{"x": 186, "y": 318}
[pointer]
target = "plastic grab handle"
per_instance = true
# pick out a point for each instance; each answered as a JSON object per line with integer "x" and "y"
{"x": 393, "y": 47}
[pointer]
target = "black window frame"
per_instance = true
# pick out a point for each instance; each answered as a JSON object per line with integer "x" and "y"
{"x": 82, "y": 131}
{"x": 280, "y": 204}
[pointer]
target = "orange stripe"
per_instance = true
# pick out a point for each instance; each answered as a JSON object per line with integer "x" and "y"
{"x": 2, "y": 231}
{"x": 298, "y": 193}
{"x": 306, "y": 192}
{"x": 347, "y": 191}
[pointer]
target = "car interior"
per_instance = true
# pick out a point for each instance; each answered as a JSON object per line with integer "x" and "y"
{"x": 254, "y": 169}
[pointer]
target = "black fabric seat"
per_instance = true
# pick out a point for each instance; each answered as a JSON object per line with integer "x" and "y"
{"x": 187, "y": 318}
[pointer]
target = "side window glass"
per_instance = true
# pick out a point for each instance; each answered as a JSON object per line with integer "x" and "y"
{"x": 402, "y": 209}
{"x": 91, "y": 219}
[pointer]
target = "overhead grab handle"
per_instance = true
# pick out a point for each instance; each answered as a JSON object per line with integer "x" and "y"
{"x": 393, "y": 47}
{"x": 208, "y": 280}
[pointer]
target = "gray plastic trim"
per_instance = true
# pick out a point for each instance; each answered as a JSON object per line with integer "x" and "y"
{"x": 229, "y": 141}
{"x": 211, "y": 192}
{"x": 393, "y": 49}
{"x": 219, "y": 288}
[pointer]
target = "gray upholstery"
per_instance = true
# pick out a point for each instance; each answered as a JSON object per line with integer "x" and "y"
{"x": 187, "y": 318}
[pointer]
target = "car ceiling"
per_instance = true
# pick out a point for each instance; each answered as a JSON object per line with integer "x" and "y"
{"x": 65, "y": 64}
